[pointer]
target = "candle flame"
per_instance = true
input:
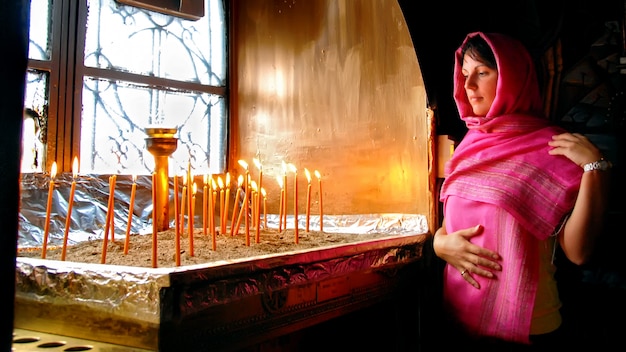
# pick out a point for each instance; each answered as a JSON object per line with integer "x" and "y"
{"x": 75, "y": 167}
{"x": 228, "y": 179}
{"x": 243, "y": 164}
{"x": 134, "y": 178}
{"x": 184, "y": 179}
{"x": 240, "y": 180}
{"x": 263, "y": 192}
{"x": 279, "y": 179}
{"x": 307, "y": 174}
{"x": 213, "y": 185}
{"x": 284, "y": 166}
{"x": 292, "y": 168}
{"x": 253, "y": 185}
{"x": 317, "y": 174}
{"x": 206, "y": 179}
{"x": 53, "y": 172}
{"x": 195, "y": 188}
{"x": 257, "y": 163}
{"x": 220, "y": 182}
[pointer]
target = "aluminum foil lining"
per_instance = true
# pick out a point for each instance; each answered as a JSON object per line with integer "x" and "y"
{"x": 133, "y": 292}
{"x": 89, "y": 211}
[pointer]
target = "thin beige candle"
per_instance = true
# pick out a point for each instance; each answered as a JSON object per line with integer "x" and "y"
{"x": 46, "y": 231}
{"x": 113, "y": 209}
{"x": 192, "y": 206}
{"x": 68, "y": 218}
{"x": 226, "y": 201}
{"x": 319, "y": 182}
{"x": 205, "y": 203}
{"x": 236, "y": 202}
{"x": 211, "y": 212}
{"x": 131, "y": 209}
{"x": 176, "y": 220}
{"x": 211, "y": 208}
{"x": 105, "y": 237}
{"x": 245, "y": 206}
{"x": 308, "y": 197}
{"x": 189, "y": 189}
{"x": 220, "y": 184}
{"x": 183, "y": 205}
{"x": 259, "y": 166}
{"x": 253, "y": 203}
{"x": 154, "y": 219}
{"x": 284, "y": 167}
{"x": 264, "y": 193}
{"x": 192, "y": 198}
{"x": 241, "y": 210}
{"x": 214, "y": 202}
{"x": 254, "y": 196}
{"x": 110, "y": 219}
{"x": 279, "y": 180}
{"x": 295, "y": 203}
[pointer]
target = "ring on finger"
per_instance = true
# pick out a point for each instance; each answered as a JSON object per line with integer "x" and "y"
{"x": 463, "y": 272}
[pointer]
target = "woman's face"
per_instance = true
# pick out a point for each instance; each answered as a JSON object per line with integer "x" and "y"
{"x": 480, "y": 84}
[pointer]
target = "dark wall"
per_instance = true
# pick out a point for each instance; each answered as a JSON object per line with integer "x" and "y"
{"x": 439, "y": 27}
{"x": 14, "y": 36}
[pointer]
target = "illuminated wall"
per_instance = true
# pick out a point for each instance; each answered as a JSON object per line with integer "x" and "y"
{"x": 333, "y": 86}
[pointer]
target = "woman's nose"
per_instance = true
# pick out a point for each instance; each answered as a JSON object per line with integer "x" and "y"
{"x": 470, "y": 82}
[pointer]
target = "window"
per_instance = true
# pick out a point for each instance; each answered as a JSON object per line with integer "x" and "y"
{"x": 100, "y": 72}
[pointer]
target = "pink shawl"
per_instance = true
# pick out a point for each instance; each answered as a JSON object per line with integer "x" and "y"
{"x": 501, "y": 176}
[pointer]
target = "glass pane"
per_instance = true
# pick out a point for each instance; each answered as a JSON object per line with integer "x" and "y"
{"x": 153, "y": 44}
{"x": 35, "y": 121}
{"x": 39, "y": 47}
{"x": 115, "y": 115}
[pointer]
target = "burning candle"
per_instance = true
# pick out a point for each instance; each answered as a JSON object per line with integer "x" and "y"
{"x": 176, "y": 220}
{"x": 279, "y": 180}
{"x": 69, "y": 207}
{"x": 319, "y": 182}
{"x": 131, "y": 209}
{"x": 192, "y": 206}
{"x": 257, "y": 163}
{"x": 220, "y": 184}
{"x": 245, "y": 206}
{"x": 154, "y": 219}
{"x": 109, "y": 218}
{"x": 205, "y": 202}
{"x": 53, "y": 173}
{"x": 292, "y": 167}
{"x": 308, "y": 197}
{"x": 236, "y": 201}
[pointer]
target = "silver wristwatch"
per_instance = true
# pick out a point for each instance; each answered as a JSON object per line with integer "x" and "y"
{"x": 601, "y": 165}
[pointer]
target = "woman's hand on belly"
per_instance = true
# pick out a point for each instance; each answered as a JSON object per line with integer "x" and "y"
{"x": 469, "y": 259}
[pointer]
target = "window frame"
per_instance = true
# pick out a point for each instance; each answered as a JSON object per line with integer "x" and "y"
{"x": 66, "y": 72}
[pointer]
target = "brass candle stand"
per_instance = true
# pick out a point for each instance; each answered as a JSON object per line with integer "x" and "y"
{"x": 161, "y": 143}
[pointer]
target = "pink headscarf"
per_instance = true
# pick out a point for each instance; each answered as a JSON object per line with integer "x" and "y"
{"x": 502, "y": 176}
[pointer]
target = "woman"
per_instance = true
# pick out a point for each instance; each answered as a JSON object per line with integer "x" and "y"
{"x": 514, "y": 188}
